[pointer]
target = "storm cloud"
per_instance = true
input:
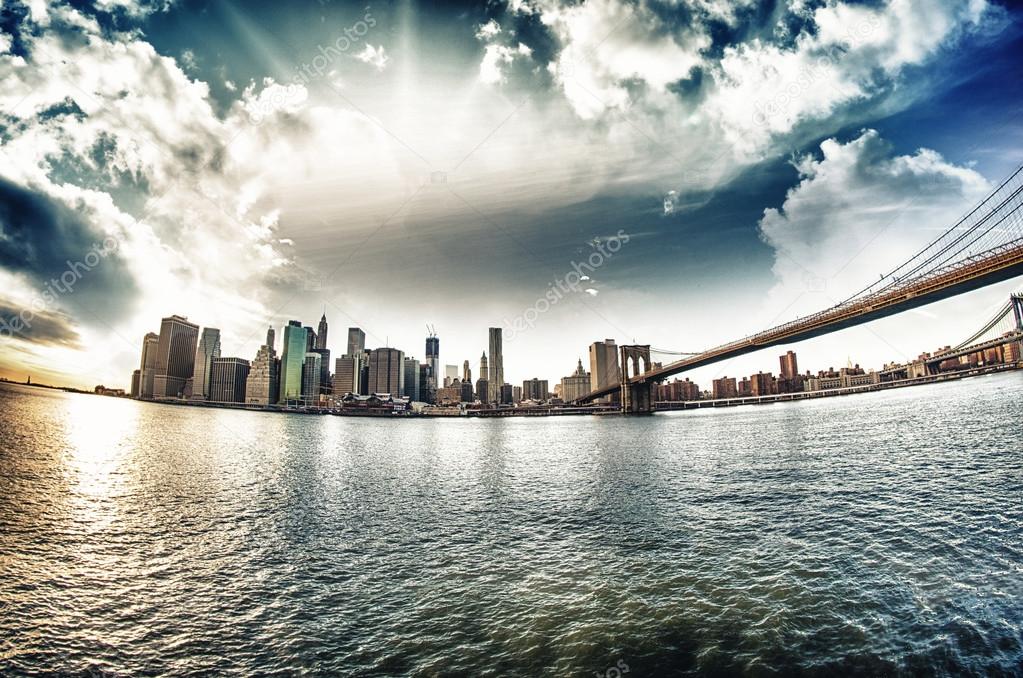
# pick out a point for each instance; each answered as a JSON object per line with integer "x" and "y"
{"x": 61, "y": 253}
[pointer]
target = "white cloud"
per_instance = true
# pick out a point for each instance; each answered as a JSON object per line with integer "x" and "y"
{"x": 859, "y": 208}
{"x": 374, "y": 56}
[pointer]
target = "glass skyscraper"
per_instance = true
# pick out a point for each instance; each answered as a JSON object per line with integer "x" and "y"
{"x": 292, "y": 357}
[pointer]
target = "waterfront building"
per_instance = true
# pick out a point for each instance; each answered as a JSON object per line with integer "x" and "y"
{"x": 427, "y": 389}
{"x": 321, "y": 336}
{"x": 576, "y": 384}
{"x": 451, "y": 394}
{"x": 386, "y": 371}
{"x": 347, "y": 375}
{"x": 604, "y": 364}
{"x": 678, "y": 391}
{"x": 175, "y": 356}
{"x": 482, "y": 391}
{"x": 136, "y": 377}
{"x": 324, "y": 353}
{"x": 310, "y": 338}
{"x": 517, "y": 394}
{"x": 311, "y": 372}
{"x": 724, "y": 388}
{"x": 433, "y": 355}
{"x": 495, "y": 377}
{"x": 506, "y": 394}
{"x": 147, "y": 368}
{"x": 467, "y": 394}
{"x": 356, "y": 342}
{"x": 450, "y": 374}
{"x": 762, "y": 384}
{"x": 228, "y": 377}
{"x": 845, "y": 378}
{"x": 789, "y": 365}
{"x": 207, "y": 350}
{"x": 466, "y": 372}
{"x": 411, "y": 386}
{"x": 261, "y": 387}
{"x": 292, "y": 357}
{"x": 534, "y": 389}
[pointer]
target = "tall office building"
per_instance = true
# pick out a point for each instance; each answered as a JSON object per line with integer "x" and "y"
{"x": 482, "y": 390}
{"x": 789, "y": 366}
{"x": 450, "y": 374}
{"x": 321, "y": 332}
{"x": 427, "y": 393}
{"x": 433, "y": 354}
{"x": 386, "y": 371}
{"x": 495, "y": 377}
{"x": 466, "y": 372}
{"x": 467, "y": 394}
{"x": 261, "y": 388}
{"x": 356, "y": 341}
{"x": 347, "y": 375}
{"x": 324, "y": 353}
{"x": 411, "y": 386}
{"x": 136, "y": 379}
{"x": 311, "y": 371}
{"x": 310, "y": 338}
{"x": 228, "y": 377}
{"x": 535, "y": 389}
{"x": 207, "y": 350}
{"x": 147, "y": 370}
{"x": 175, "y": 356}
{"x": 575, "y": 385}
{"x": 603, "y": 364}
{"x": 292, "y": 357}
{"x": 270, "y": 336}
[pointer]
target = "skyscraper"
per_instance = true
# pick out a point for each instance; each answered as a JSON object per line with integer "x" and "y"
{"x": 292, "y": 357}
{"x": 147, "y": 368}
{"x": 175, "y": 356}
{"x": 270, "y": 337}
{"x": 466, "y": 372}
{"x": 311, "y": 370}
{"x": 321, "y": 334}
{"x": 310, "y": 338}
{"x": 356, "y": 341}
{"x": 261, "y": 388}
{"x": 576, "y": 385}
{"x": 346, "y": 376}
{"x": 495, "y": 376}
{"x": 324, "y": 353}
{"x": 535, "y": 389}
{"x": 207, "y": 350}
{"x": 433, "y": 354}
{"x": 386, "y": 371}
{"x": 603, "y": 364}
{"x": 227, "y": 380}
{"x": 411, "y": 386}
{"x": 789, "y": 366}
{"x": 450, "y": 374}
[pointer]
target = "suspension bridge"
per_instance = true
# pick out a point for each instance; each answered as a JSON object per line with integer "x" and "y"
{"x": 985, "y": 246}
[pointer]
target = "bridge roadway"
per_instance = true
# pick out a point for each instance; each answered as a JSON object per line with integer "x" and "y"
{"x": 994, "y": 265}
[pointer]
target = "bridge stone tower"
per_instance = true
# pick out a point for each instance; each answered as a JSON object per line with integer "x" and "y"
{"x": 1017, "y": 310}
{"x": 637, "y": 397}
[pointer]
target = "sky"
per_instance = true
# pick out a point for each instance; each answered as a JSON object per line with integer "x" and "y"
{"x": 711, "y": 168}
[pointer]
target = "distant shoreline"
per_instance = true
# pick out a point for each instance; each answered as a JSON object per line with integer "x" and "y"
{"x": 561, "y": 411}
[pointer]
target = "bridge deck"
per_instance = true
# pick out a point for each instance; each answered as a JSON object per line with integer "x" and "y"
{"x": 999, "y": 263}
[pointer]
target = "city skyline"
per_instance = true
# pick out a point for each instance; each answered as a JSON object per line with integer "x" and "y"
{"x": 734, "y": 220}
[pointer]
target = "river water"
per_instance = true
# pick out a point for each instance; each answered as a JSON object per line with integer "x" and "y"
{"x": 875, "y": 533}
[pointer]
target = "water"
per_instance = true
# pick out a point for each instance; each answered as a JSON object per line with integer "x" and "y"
{"x": 878, "y": 533}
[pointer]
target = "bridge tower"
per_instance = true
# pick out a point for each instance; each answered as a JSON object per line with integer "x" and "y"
{"x": 1017, "y": 310}
{"x": 637, "y": 397}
